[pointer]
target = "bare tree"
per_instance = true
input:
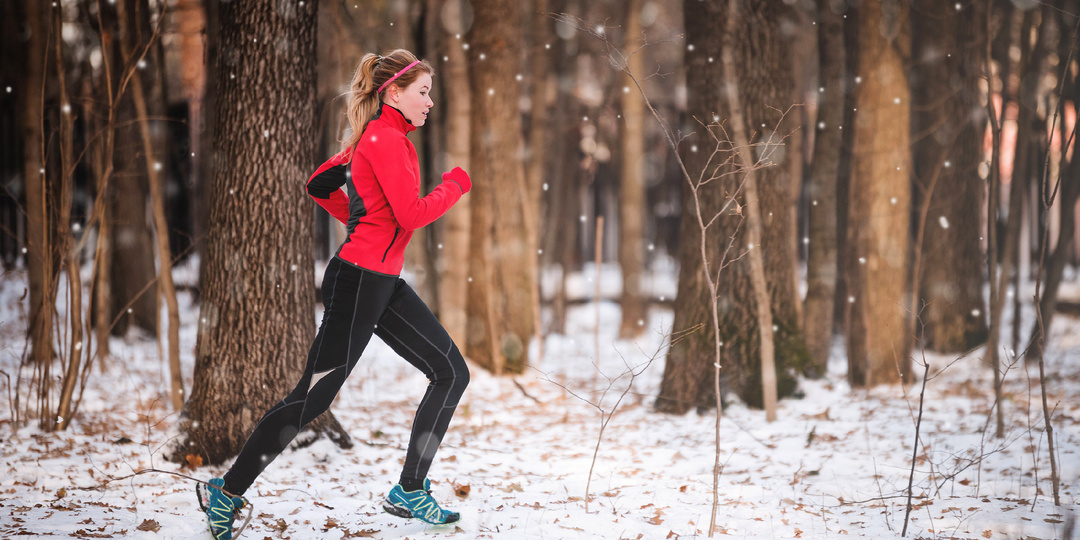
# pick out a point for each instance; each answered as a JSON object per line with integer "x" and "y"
{"x": 502, "y": 260}
{"x": 255, "y": 322}
{"x": 166, "y": 290}
{"x": 947, "y": 143}
{"x": 821, "y": 263}
{"x": 454, "y": 272}
{"x": 40, "y": 267}
{"x": 880, "y": 200}
{"x": 763, "y": 80}
{"x": 632, "y": 186}
{"x": 131, "y": 246}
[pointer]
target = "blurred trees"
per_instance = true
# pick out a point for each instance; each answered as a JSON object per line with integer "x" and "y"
{"x": 633, "y": 304}
{"x": 903, "y": 207}
{"x": 947, "y": 128}
{"x": 822, "y": 272}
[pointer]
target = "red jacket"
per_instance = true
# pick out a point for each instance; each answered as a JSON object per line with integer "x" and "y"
{"x": 383, "y": 205}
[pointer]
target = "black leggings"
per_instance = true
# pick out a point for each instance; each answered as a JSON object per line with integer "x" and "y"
{"x": 357, "y": 304}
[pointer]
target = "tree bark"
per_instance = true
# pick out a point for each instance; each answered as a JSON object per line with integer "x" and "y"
{"x": 880, "y": 200}
{"x": 632, "y": 184}
{"x": 754, "y": 208}
{"x": 561, "y": 216}
{"x": 165, "y": 287}
{"x": 73, "y": 355}
{"x": 502, "y": 269}
{"x": 256, "y": 320}
{"x": 687, "y": 380}
{"x": 1069, "y": 192}
{"x": 191, "y": 22}
{"x": 41, "y": 272}
{"x": 821, "y": 263}
{"x": 454, "y": 270}
{"x": 131, "y": 245}
{"x": 948, "y": 48}
{"x": 539, "y": 127}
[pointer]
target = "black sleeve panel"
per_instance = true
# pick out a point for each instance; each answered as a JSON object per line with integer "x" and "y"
{"x": 323, "y": 184}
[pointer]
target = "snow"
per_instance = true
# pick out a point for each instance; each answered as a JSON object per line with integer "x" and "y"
{"x": 517, "y": 458}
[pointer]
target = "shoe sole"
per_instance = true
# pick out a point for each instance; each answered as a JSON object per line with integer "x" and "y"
{"x": 393, "y": 509}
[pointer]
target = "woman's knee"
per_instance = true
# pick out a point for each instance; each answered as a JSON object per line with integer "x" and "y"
{"x": 456, "y": 374}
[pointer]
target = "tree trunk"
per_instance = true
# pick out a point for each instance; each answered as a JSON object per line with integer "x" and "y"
{"x": 39, "y": 261}
{"x": 74, "y": 327}
{"x": 256, "y": 318}
{"x": 755, "y": 208}
{"x": 1053, "y": 266}
{"x": 766, "y": 88}
{"x": 687, "y": 379}
{"x": 132, "y": 247}
{"x": 562, "y": 217}
{"x": 821, "y": 263}
{"x": 880, "y": 200}
{"x": 539, "y": 127}
{"x": 454, "y": 278}
{"x": 502, "y": 268}
{"x": 632, "y": 183}
{"x": 191, "y": 22}
{"x": 165, "y": 288}
{"x": 948, "y": 49}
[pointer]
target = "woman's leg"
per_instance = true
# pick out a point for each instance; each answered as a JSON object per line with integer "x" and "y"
{"x": 353, "y": 299}
{"x": 409, "y": 327}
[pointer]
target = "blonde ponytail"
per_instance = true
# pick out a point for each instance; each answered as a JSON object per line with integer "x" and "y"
{"x": 364, "y": 96}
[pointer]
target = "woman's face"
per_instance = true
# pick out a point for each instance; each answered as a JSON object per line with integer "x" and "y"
{"x": 413, "y": 101}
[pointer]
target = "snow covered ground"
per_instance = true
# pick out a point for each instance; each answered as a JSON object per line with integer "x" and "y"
{"x": 517, "y": 458}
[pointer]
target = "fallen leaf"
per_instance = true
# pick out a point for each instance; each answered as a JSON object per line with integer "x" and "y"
{"x": 149, "y": 525}
{"x": 461, "y": 490}
{"x": 987, "y": 533}
{"x": 193, "y": 460}
{"x": 363, "y": 533}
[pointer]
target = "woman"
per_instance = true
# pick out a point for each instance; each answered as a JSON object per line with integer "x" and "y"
{"x": 362, "y": 291}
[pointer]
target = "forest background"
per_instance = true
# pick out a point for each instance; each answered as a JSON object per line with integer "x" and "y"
{"x": 879, "y": 178}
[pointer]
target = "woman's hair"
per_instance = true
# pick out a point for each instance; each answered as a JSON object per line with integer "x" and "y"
{"x": 364, "y": 95}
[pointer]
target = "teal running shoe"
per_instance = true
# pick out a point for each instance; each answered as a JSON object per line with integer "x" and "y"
{"x": 220, "y": 509}
{"x": 418, "y": 504}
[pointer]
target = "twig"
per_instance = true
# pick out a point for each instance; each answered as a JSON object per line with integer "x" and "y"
{"x": 915, "y": 445}
{"x": 1048, "y": 201}
{"x": 525, "y": 392}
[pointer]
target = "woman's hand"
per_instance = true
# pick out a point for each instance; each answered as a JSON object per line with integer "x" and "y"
{"x": 460, "y": 177}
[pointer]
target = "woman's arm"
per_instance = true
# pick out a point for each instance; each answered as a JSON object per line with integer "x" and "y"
{"x": 325, "y": 186}
{"x": 396, "y": 171}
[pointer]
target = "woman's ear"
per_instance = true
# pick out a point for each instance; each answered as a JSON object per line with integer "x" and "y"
{"x": 395, "y": 93}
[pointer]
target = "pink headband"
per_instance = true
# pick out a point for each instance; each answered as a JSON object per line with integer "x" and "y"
{"x": 396, "y": 75}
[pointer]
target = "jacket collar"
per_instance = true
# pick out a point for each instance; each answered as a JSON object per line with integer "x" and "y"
{"x": 395, "y": 118}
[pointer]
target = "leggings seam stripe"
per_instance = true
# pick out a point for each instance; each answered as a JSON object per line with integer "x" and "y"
{"x": 453, "y": 372}
{"x": 321, "y": 339}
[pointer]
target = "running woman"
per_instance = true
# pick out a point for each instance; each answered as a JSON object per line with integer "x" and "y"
{"x": 363, "y": 293}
